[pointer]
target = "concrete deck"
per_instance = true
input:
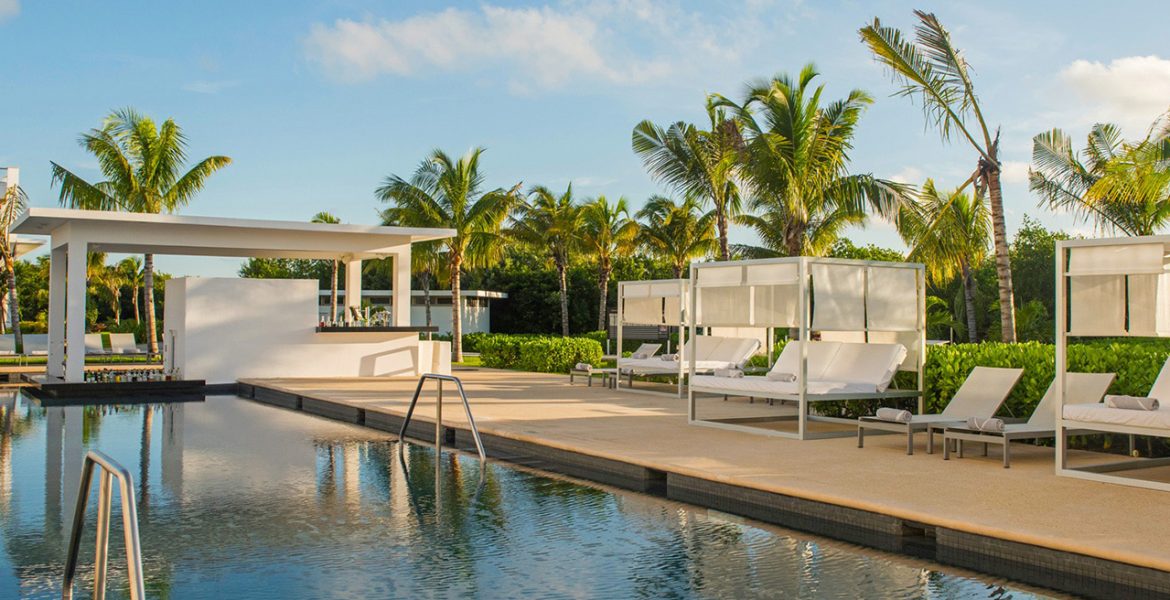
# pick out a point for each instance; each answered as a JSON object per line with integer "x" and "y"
{"x": 1027, "y": 504}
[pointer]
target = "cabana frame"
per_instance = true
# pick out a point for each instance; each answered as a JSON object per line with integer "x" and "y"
{"x": 764, "y": 273}
{"x": 1087, "y": 271}
{"x": 643, "y": 294}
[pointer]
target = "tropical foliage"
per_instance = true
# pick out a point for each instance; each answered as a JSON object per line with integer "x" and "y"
{"x": 607, "y": 233}
{"x": 551, "y": 224}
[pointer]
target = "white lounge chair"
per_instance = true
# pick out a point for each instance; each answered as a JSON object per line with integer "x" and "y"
{"x": 711, "y": 353}
{"x": 1104, "y": 418}
{"x": 980, "y": 396}
{"x": 644, "y": 351}
{"x": 836, "y": 371}
{"x": 123, "y": 343}
{"x": 1083, "y": 388}
{"x": 7, "y": 345}
{"x": 93, "y": 344}
{"x": 36, "y": 344}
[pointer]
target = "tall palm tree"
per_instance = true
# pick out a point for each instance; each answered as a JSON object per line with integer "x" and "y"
{"x": 608, "y": 232}
{"x": 551, "y": 224}
{"x": 110, "y": 279}
{"x": 795, "y": 165}
{"x": 949, "y": 232}
{"x": 143, "y": 168}
{"x": 697, "y": 163}
{"x": 677, "y": 233}
{"x": 430, "y": 263}
{"x": 935, "y": 72}
{"x": 445, "y": 192}
{"x": 326, "y": 217}
{"x": 11, "y": 206}
{"x": 1118, "y": 185}
{"x": 131, "y": 269}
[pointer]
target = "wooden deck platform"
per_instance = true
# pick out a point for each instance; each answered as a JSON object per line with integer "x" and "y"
{"x": 1024, "y": 523}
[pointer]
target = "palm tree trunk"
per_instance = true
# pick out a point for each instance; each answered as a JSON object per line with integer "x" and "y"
{"x": 721, "y": 224}
{"x": 425, "y": 276}
{"x": 1003, "y": 262}
{"x": 148, "y": 287}
{"x": 603, "y": 289}
{"x": 333, "y": 295}
{"x": 969, "y": 296}
{"x": 137, "y": 315}
{"x": 116, "y": 304}
{"x": 456, "y": 313}
{"x": 14, "y": 308}
{"x": 564, "y": 300}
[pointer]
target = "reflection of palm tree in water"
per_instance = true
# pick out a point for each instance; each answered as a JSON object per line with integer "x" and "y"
{"x": 144, "y": 462}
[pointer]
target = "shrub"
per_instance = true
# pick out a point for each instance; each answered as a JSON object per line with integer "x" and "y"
{"x": 499, "y": 351}
{"x": 557, "y": 355}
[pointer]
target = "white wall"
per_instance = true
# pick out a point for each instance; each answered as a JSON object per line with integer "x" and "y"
{"x": 227, "y": 328}
{"x": 475, "y": 318}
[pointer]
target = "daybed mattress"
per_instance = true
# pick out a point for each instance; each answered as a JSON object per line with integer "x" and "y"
{"x": 762, "y": 386}
{"x": 668, "y": 366}
{"x": 1101, "y": 414}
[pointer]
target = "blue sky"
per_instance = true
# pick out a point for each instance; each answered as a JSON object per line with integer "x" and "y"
{"x": 316, "y": 102}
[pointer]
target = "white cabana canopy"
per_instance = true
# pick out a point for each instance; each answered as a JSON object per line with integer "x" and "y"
{"x": 838, "y": 300}
{"x": 1113, "y": 287}
{"x": 652, "y": 302}
{"x": 74, "y": 233}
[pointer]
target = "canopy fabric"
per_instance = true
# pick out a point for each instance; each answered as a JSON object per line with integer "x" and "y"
{"x": 1117, "y": 259}
{"x": 891, "y": 299}
{"x": 838, "y": 297}
{"x": 653, "y": 302}
{"x": 1118, "y": 289}
{"x": 642, "y": 311}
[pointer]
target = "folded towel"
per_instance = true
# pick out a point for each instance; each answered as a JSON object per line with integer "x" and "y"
{"x": 583, "y": 367}
{"x": 1131, "y": 402}
{"x": 732, "y": 373}
{"x": 773, "y": 376}
{"x": 992, "y": 424}
{"x": 894, "y": 414}
{"x": 639, "y": 355}
{"x": 670, "y": 357}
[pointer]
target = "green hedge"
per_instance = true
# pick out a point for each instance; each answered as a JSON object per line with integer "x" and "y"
{"x": 537, "y": 353}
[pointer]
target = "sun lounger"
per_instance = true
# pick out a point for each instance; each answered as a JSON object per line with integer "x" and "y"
{"x": 36, "y": 344}
{"x": 712, "y": 353}
{"x": 1101, "y": 417}
{"x": 1082, "y": 389}
{"x": 7, "y": 345}
{"x": 93, "y": 344}
{"x": 836, "y": 371}
{"x": 643, "y": 352}
{"x": 123, "y": 343}
{"x": 980, "y": 396}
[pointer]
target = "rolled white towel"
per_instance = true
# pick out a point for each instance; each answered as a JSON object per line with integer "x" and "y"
{"x": 992, "y": 424}
{"x": 583, "y": 367}
{"x": 894, "y": 414}
{"x": 732, "y": 373}
{"x": 670, "y": 357}
{"x": 774, "y": 376}
{"x": 1131, "y": 402}
{"x": 639, "y": 355}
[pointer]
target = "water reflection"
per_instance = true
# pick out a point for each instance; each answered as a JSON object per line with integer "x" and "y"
{"x": 239, "y": 499}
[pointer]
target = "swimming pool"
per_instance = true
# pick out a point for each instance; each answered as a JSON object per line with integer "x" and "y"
{"x": 243, "y": 500}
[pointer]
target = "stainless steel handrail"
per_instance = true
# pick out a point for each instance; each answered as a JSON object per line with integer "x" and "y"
{"x": 439, "y": 411}
{"x": 109, "y": 469}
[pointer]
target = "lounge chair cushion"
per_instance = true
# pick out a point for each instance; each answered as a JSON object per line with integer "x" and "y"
{"x": 820, "y": 354}
{"x": 764, "y": 387}
{"x": 1101, "y": 414}
{"x": 868, "y": 364}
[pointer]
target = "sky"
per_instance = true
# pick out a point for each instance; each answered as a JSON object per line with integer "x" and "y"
{"x": 318, "y": 101}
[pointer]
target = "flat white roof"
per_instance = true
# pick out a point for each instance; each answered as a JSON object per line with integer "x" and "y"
{"x": 435, "y": 293}
{"x": 140, "y": 233}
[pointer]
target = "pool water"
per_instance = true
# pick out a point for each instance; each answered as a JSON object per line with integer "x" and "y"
{"x": 243, "y": 500}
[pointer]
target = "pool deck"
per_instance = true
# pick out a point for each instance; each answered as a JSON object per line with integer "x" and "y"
{"x": 1066, "y": 533}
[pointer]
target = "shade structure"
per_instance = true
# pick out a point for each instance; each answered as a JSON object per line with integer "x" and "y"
{"x": 1112, "y": 287}
{"x": 657, "y": 302}
{"x": 878, "y": 305}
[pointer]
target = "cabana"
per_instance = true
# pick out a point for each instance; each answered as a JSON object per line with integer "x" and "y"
{"x": 659, "y": 303}
{"x": 1118, "y": 287}
{"x": 867, "y": 319}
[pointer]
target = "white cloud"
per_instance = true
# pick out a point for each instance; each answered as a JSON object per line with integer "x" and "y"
{"x": 1014, "y": 171}
{"x": 9, "y": 9}
{"x": 546, "y": 47}
{"x": 208, "y": 87}
{"x": 912, "y": 175}
{"x": 1130, "y": 91}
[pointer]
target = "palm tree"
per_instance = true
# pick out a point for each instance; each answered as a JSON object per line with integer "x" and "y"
{"x": 1123, "y": 186}
{"x": 949, "y": 232}
{"x": 326, "y": 217}
{"x": 609, "y": 233}
{"x": 677, "y": 233}
{"x": 110, "y": 279}
{"x": 143, "y": 166}
{"x": 697, "y": 163}
{"x": 551, "y": 224}
{"x": 444, "y": 192}
{"x": 430, "y": 263}
{"x": 11, "y": 206}
{"x": 131, "y": 269}
{"x": 931, "y": 69}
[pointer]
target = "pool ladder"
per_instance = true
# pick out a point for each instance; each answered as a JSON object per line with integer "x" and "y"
{"x": 439, "y": 410}
{"x": 109, "y": 469}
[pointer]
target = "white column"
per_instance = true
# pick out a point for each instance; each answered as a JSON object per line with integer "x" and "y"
{"x": 75, "y": 313}
{"x": 353, "y": 287}
{"x": 401, "y": 292}
{"x": 57, "y": 258}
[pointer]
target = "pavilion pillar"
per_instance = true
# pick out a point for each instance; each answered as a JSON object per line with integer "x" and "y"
{"x": 56, "y": 365}
{"x": 75, "y": 312}
{"x": 400, "y": 294}
{"x": 353, "y": 287}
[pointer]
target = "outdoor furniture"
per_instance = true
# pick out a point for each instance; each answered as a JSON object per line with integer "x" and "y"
{"x": 980, "y": 396}
{"x": 587, "y": 373}
{"x": 123, "y": 343}
{"x": 7, "y": 345}
{"x": 1083, "y": 389}
{"x": 659, "y": 303}
{"x": 711, "y": 353}
{"x": 93, "y": 344}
